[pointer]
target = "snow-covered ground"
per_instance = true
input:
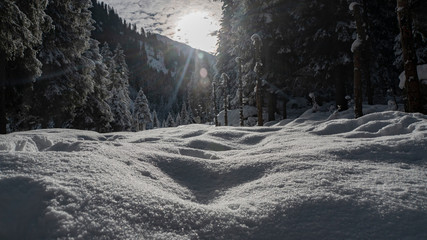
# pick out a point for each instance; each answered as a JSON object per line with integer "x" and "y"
{"x": 310, "y": 178}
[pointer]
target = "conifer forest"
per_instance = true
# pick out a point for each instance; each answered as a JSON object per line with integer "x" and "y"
{"x": 78, "y": 64}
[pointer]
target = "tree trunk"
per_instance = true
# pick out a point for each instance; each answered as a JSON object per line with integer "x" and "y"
{"x": 241, "y": 96}
{"x": 3, "y": 120}
{"x": 285, "y": 115}
{"x": 412, "y": 84}
{"x": 361, "y": 36}
{"x": 366, "y": 56}
{"x": 225, "y": 110}
{"x": 272, "y": 101}
{"x": 215, "y": 105}
{"x": 259, "y": 101}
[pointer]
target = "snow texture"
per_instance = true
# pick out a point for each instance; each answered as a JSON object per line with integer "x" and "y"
{"x": 308, "y": 178}
{"x": 422, "y": 75}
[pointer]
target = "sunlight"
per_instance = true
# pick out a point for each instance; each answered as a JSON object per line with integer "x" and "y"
{"x": 195, "y": 29}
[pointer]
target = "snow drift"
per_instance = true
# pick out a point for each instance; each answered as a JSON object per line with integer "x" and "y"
{"x": 310, "y": 178}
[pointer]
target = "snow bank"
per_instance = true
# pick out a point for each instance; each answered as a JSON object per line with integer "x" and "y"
{"x": 309, "y": 178}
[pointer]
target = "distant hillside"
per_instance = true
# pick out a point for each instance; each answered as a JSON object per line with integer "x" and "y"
{"x": 166, "y": 70}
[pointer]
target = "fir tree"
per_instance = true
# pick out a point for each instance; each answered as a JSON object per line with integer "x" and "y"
{"x": 22, "y": 25}
{"x": 169, "y": 121}
{"x": 178, "y": 120}
{"x": 96, "y": 113}
{"x": 120, "y": 102}
{"x": 156, "y": 122}
{"x": 184, "y": 117}
{"x": 66, "y": 82}
{"x": 141, "y": 112}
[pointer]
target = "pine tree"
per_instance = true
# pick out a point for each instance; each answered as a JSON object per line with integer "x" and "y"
{"x": 120, "y": 102}
{"x": 169, "y": 121}
{"x": 184, "y": 118}
{"x": 66, "y": 82}
{"x": 22, "y": 25}
{"x": 142, "y": 114}
{"x": 190, "y": 115}
{"x": 156, "y": 122}
{"x": 96, "y": 113}
{"x": 178, "y": 120}
{"x": 107, "y": 59}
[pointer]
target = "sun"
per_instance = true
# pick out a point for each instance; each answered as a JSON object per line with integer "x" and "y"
{"x": 195, "y": 29}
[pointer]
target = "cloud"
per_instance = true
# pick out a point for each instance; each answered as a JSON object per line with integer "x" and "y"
{"x": 161, "y": 16}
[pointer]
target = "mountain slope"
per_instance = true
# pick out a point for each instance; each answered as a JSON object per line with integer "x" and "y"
{"x": 167, "y": 71}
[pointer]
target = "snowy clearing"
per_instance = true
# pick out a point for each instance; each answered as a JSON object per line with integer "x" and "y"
{"x": 304, "y": 179}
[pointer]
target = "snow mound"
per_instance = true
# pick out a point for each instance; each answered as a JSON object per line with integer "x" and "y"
{"x": 374, "y": 125}
{"x": 309, "y": 178}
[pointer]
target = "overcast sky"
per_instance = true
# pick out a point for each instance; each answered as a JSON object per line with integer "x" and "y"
{"x": 161, "y": 16}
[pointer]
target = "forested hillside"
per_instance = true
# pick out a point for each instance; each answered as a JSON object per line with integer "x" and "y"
{"x": 68, "y": 64}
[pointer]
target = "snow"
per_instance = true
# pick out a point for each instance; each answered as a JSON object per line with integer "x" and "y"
{"x": 352, "y": 5}
{"x": 356, "y": 44}
{"x": 422, "y": 75}
{"x": 307, "y": 178}
{"x": 155, "y": 60}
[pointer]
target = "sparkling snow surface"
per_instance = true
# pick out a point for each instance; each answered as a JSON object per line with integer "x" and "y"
{"x": 305, "y": 179}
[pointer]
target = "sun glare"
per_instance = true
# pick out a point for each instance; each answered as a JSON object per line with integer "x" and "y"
{"x": 195, "y": 29}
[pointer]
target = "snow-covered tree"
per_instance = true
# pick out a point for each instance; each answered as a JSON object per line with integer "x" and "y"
{"x": 178, "y": 120}
{"x": 184, "y": 117}
{"x": 96, "y": 113}
{"x": 22, "y": 26}
{"x": 169, "y": 121}
{"x": 107, "y": 59}
{"x": 66, "y": 81}
{"x": 156, "y": 122}
{"x": 120, "y": 102}
{"x": 142, "y": 114}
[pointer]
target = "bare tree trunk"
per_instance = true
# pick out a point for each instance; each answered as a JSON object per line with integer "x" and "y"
{"x": 3, "y": 120}
{"x": 366, "y": 56}
{"x": 215, "y": 104}
{"x": 412, "y": 84}
{"x": 357, "y": 48}
{"x": 259, "y": 101}
{"x": 225, "y": 92}
{"x": 240, "y": 92}
{"x": 272, "y": 101}
{"x": 225, "y": 111}
{"x": 285, "y": 115}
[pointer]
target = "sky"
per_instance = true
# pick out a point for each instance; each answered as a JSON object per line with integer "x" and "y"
{"x": 189, "y": 21}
